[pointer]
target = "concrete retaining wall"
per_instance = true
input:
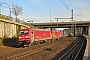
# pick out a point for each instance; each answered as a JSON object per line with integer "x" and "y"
{"x": 8, "y": 28}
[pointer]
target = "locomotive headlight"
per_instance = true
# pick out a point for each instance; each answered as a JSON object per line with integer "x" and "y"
{"x": 20, "y": 37}
{"x": 26, "y": 36}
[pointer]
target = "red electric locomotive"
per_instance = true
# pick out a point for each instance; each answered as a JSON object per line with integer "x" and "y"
{"x": 31, "y": 35}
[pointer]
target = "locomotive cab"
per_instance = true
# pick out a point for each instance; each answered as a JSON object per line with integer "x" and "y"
{"x": 24, "y": 37}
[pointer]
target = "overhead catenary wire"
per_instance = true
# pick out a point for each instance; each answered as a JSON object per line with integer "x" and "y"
{"x": 34, "y": 7}
{"x": 39, "y": 17}
{"x": 35, "y": 15}
{"x": 67, "y": 7}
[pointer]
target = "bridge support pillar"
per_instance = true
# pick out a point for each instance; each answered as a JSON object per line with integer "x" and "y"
{"x": 89, "y": 30}
{"x": 85, "y": 30}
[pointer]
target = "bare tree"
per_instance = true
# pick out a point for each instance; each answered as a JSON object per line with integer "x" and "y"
{"x": 16, "y": 10}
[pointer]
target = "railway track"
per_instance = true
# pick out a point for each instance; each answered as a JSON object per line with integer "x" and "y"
{"x": 23, "y": 53}
{"x": 26, "y": 52}
{"x": 74, "y": 52}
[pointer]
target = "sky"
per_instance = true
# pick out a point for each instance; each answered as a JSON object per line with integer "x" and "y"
{"x": 40, "y": 10}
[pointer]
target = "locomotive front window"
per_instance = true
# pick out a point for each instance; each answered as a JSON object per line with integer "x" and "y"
{"x": 24, "y": 32}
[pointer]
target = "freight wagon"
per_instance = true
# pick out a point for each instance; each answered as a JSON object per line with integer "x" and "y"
{"x": 30, "y": 35}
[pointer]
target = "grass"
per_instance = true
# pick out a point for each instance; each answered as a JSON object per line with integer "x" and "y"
{"x": 1, "y": 44}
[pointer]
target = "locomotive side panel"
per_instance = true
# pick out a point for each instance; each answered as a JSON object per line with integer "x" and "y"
{"x": 41, "y": 34}
{"x": 57, "y": 33}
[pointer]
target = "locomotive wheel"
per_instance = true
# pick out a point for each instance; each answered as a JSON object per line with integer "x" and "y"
{"x": 27, "y": 42}
{"x": 17, "y": 46}
{"x": 34, "y": 43}
{"x": 44, "y": 41}
{"x": 22, "y": 45}
{"x": 40, "y": 42}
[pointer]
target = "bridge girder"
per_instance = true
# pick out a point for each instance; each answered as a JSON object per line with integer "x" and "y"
{"x": 62, "y": 24}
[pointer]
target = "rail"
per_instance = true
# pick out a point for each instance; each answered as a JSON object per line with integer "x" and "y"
{"x": 74, "y": 52}
{"x": 27, "y": 53}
